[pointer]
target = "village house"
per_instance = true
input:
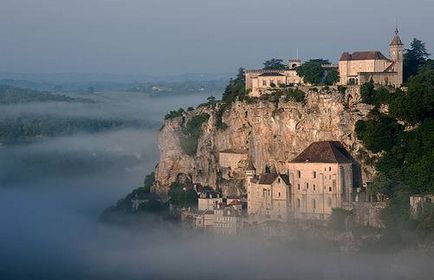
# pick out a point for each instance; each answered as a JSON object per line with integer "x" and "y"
{"x": 322, "y": 177}
{"x": 361, "y": 67}
{"x": 268, "y": 197}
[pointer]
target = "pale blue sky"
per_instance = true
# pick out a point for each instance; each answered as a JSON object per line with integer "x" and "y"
{"x": 179, "y": 36}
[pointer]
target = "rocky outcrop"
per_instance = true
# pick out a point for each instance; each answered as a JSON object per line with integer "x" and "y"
{"x": 273, "y": 133}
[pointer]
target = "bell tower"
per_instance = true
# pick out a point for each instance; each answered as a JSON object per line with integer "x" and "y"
{"x": 396, "y": 48}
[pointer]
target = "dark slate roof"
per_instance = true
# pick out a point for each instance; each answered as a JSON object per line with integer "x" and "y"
{"x": 369, "y": 55}
{"x": 285, "y": 178}
{"x": 268, "y": 179}
{"x": 324, "y": 152}
{"x": 271, "y": 74}
{"x": 396, "y": 41}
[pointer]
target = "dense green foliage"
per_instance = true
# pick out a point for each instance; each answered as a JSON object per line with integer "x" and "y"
{"x": 406, "y": 164}
{"x": 192, "y": 131}
{"x": 313, "y": 73}
{"x": 180, "y": 196}
{"x": 174, "y": 114}
{"x": 274, "y": 64}
{"x": 414, "y": 58}
{"x": 331, "y": 77}
{"x": 235, "y": 90}
{"x": 140, "y": 201}
{"x": 12, "y": 95}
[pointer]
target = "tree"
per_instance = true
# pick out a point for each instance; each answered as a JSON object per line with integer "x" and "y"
{"x": 332, "y": 77}
{"x": 414, "y": 58}
{"x": 274, "y": 64}
{"x": 312, "y": 72}
{"x": 181, "y": 196}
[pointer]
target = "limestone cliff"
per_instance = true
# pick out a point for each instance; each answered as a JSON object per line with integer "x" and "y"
{"x": 273, "y": 133}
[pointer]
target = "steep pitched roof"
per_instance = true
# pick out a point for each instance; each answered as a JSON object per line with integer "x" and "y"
{"x": 271, "y": 74}
{"x": 396, "y": 41}
{"x": 324, "y": 152}
{"x": 369, "y": 55}
{"x": 268, "y": 179}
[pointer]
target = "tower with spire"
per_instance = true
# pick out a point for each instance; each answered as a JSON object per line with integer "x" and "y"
{"x": 396, "y": 48}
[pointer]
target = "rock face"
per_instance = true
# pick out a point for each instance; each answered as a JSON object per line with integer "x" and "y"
{"x": 273, "y": 133}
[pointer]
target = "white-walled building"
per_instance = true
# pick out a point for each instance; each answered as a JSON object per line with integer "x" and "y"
{"x": 322, "y": 177}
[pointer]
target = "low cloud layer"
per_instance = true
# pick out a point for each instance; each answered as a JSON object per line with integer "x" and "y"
{"x": 49, "y": 226}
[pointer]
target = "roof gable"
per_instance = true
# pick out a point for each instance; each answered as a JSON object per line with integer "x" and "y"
{"x": 324, "y": 152}
{"x": 368, "y": 55}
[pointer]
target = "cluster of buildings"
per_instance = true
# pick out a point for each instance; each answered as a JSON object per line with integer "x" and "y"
{"x": 322, "y": 177}
{"x": 354, "y": 68}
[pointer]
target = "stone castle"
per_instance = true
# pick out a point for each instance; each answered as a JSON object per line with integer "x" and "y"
{"x": 282, "y": 161}
{"x": 354, "y": 69}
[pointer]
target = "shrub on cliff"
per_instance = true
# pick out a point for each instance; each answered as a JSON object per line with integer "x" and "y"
{"x": 192, "y": 131}
{"x": 181, "y": 196}
{"x": 174, "y": 114}
{"x": 295, "y": 95}
{"x": 406, "y": 162}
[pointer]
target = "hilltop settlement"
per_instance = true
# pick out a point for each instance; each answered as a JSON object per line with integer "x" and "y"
{"x": 285, "y": 146}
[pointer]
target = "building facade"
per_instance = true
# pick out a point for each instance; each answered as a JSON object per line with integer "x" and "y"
{"x": 268, "y": 197}
{"x": 322, "y": 177}
{"x": 358, "y": 68}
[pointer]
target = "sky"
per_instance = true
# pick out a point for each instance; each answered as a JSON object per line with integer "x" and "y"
{"x": 158, "y": 37}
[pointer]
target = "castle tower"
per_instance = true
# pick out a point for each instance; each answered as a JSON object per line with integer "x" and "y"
{"x": 396, "y": 48}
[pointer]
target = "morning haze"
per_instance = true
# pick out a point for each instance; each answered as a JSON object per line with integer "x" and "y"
{"x": 159, "y": 37}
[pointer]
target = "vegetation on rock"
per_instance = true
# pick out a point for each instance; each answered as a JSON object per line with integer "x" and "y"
{"x": 406, "y": 164}
{"x": 275, "y": 64}
{"x": 192, "y": 131}
{"x": 181, "y": 196}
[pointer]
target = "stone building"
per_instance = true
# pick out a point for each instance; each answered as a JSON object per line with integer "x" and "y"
{"x": 228, "y": 219}
{"x": 268, "y": 197}
{"x": 358, "y": 68}
{"x": 260, "y": 81}
{"x": 208, "y": 200}
{"x": 322, "y": 177}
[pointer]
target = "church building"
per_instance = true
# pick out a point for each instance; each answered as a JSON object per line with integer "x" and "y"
{"x": 361, "y": 67}
{"x": 322, "y": 177}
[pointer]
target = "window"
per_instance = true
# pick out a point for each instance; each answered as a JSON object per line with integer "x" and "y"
{"x": 330, "y": 168}
{"x": 278, "y": 194}
{"x": 314, "y": 203}
{"x": 307, "y": 185}
{"x": 330, "y": 189}
{"x": 264, "y": 83}
{"x": 314, "y": 187}
{"x": 299, "y": 173}
{"x": 314, "y": 174}
{"x": 334, "y": 185}
{"x": 278, "y": 180}
{"x": 298, "y": 204}
{"x": 298, "y": 186}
